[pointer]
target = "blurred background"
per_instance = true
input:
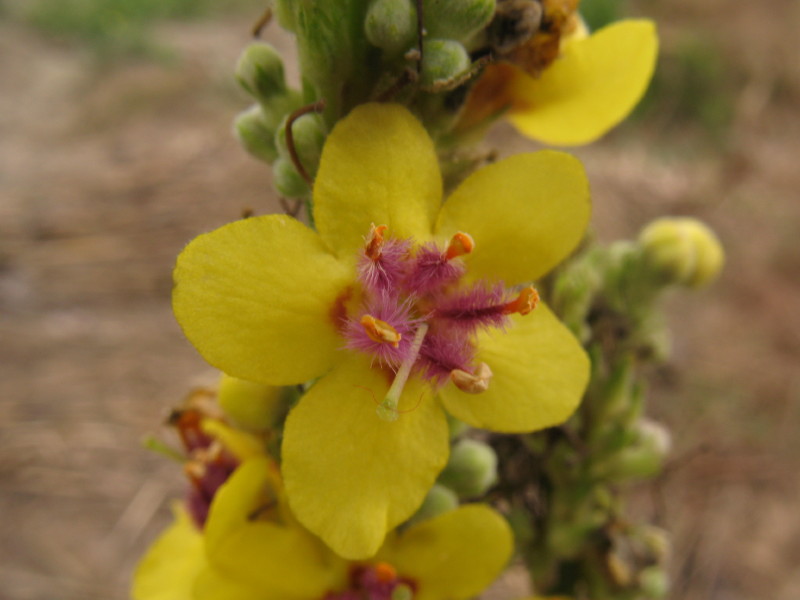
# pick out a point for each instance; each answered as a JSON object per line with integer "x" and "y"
{"x": 115, "y": 150}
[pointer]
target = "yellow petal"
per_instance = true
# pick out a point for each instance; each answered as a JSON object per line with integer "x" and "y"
{"x": 255, "y": 297}
{"x": 592, "y": 86}
{"x": 540, "y": 374}
{"x": 250, "y": 405}
{"x": 378, "y": 166}
{"x": 169, "y": 569}
{"x": 454, "y": 555}
{"x": 241, "y": 444}
{"x": 247, "y": 541}
{"x": 213, "y": 585}
{"x": 351, "y": 476}
{"x": 526, "y": 213}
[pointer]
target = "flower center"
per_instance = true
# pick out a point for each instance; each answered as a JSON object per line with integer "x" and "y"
{"x": 419, "y": 315}
{"x": 375, "y": 582}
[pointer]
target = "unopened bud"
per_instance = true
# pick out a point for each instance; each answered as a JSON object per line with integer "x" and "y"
{"x": 682, "y": 250}
{"x": 308, "y": 134}
{"x": 440, "y": 499}
{"x": 288, "y": 181}
{"x": 653, "y": 582}
{"x": 457, "y": 19}
{"x": 260, "y": 72}
{"x": 255, "y": 135}
{"x": 391, "y": 25}
{"x": 443, "y": 61}
{"x": 252, "y": 406}
{"x": 471, "y": 470}
{"x": 643, "y": 458}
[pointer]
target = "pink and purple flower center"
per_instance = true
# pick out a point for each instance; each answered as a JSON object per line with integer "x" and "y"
{"x": 375, "y": 582}
{"x": 418, "y": 309}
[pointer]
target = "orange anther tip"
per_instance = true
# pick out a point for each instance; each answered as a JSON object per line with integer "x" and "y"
{"x": 472, "y": 383}
{"x": 460, "y": 244}
{"x": 385, "y": 572}
{"x": 524, "y": 303}
{"x": 380, "y": 331}
{"x": 375, "y": 240}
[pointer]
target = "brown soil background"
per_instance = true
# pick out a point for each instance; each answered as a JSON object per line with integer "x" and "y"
{"x": 106, "y": 173}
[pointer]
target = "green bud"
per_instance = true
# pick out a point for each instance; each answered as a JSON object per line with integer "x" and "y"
{"x": 653, "y": 582}
{"x": 391, "y": 25}
{"x": 255, "y": 135}
{"x": 260, "y": 72}
{"x": 471, "y": 470}
{"x": 288, "y": 181}
{"x": 710, "y": 257}
{"x": 440, "y": 499}
{"x": 643, "y": 458}
{"x": 402, "y": 592}
{"x": 456, "y": 19}
{"x": 443, "y": 60}
{"x": 682, "y": 251}
{"x": 249, "y": 405}
{"x": 308, "y": 133}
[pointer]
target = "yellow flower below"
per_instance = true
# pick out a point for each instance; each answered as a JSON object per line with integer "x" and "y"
{"x": 248, "y": 553}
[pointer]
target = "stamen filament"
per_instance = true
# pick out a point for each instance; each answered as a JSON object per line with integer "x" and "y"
{"x": 387, "y": 410}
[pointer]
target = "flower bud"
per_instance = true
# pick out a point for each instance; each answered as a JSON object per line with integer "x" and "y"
{"x": 308, "y": 133}
{"x": 249, "y": 405}
{"x": 471, "y": 470}
{"x": 260, "y": 72}
{"x": 288, "y": 181}
{"x": 682, "y": 250}
{"x": 255, "y": 134}
{"x": 457, "y": 19}
{"x": 391, "y": 25}
{"x": 653, "y": 582}
{"x": 440, "y": 499}
{"x": 643, "y": 458}
{"x": 710, "y": 257}
{"x": 457, "y": 428}
{"x": 443, "y": 60}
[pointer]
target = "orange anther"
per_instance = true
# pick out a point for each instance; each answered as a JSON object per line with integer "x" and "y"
{"x": 460, "y": 244}
{"x": 527, "y": 300}
{"x": 375, "y": 241}
{"x": 385, "y": 572}
{"x": 380, "y": 331}
{"x": 472, "y": 383}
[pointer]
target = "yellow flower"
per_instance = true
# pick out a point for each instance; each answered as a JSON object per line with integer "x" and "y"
{"x": 593, "y": 84}
{"x": 252, "y": 550}
{"x": 392, "y": 318}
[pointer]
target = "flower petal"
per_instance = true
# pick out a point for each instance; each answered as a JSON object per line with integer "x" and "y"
{"x": 256, "y": 296}
{"x": 277, "y": 556}
{"x": 351, "y": 476}
{"x": 169, "y": 569}
{"x": 212, "y": 585}
{"x": 540, "y": 374}
{"x": 526, "y": 213}
{"x": 378, "y": 166}
{"x": 593, "y": 85}
{"x": 454, "y": 555}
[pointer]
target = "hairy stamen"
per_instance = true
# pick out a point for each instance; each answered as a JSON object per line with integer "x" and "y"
{"x": 385, "y": 572}
{"x": 375, "y": 241}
